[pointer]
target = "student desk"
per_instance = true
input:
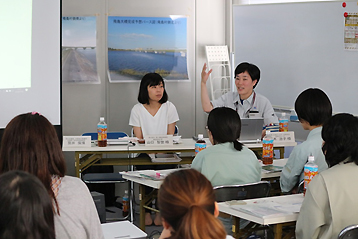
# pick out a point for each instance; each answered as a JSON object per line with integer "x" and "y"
{"x": 277, "y": 220}
{"x": 145, "y": 200}
{"x": 86, "y": 157}
{"x": 123, "y": 229}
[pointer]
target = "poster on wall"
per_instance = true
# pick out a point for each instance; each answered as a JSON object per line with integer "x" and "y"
{"x": 351, "y": 32}
{"x": 79, "y": 64}
{"x": 138, "y": 45}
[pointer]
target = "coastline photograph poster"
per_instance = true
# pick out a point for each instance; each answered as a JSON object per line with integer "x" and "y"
{"x": 138, "y": 45}
{"x": 79, "y": 61}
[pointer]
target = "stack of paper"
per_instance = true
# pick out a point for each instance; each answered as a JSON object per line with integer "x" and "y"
{"x": 268, "y": 208}
{"x": 162, "y": 158}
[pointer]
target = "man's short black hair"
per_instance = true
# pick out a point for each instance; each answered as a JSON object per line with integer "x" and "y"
{"x": 252, "y": 69}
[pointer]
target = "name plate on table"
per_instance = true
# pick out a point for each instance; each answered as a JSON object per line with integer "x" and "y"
{"x": 158, "y": 140}
{"x": 283, "y": 136}
{"x": 77, "y": 141}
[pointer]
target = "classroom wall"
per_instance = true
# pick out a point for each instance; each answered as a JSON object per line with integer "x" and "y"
{"x": 83, "y": 104}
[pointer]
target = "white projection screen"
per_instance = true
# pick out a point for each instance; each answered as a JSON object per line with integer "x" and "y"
{"x": 30, "y": 59}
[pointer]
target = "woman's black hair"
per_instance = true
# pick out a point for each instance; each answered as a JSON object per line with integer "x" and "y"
{"x": 313, "y": 106}
{"x": 252, "y": 69}
{"x": 25, "y": 207}
{"x": 340, "y": 136}
{"x": 150, "y": 79}
{"x": 225, "y": 126}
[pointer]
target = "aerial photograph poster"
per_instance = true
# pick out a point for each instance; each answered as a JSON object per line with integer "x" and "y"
{"x": 79, "y": 64}
{"x": 138, "y": 45}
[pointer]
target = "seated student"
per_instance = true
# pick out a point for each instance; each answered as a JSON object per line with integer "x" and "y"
{"x": 30, "y": 143}
{"x": 313, "y": 108}
{"x": 188, "y": 208}
{"x": 245, "y": 100}
{"x": 25, "y": 207}
{"x": 154, "y": 114}
{"x": 330, "y": 203}
{"x": 227, "y": 162}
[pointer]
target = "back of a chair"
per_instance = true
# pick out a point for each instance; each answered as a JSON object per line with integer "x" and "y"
{"x": 301, "y": 186}
{"x": 349, "y": 232}
{"x": 243, "y": 191}
{"x": 110, "y": 135}
{"x": 116, "y": 135}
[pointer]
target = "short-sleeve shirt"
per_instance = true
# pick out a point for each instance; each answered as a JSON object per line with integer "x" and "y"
{"x": 222, "y": 165}
{"x": 153, "y": 125}
{"x": 259, "y": 104}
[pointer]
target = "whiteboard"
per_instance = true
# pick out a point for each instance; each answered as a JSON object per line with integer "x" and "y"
{"x": 298, "y": 46}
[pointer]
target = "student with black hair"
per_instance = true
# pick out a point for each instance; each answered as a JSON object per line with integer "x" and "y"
{"x": 227, "y": 162}
{"x": 25, "y": 207}
{"x": 153, "y": 115}
{"x": 245, "y": 101}
{"x": 313, "y": 108}
{"x": 330, "y": 203}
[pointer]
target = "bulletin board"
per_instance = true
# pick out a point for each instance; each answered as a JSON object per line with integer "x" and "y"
{"x": 298, "y": 46}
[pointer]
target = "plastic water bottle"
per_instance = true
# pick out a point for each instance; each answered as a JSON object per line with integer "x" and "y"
{"x": 200, "y": 144}
{"x": 102, "y": 132}
{"x": 267, "y": 148}
{"x": 283, "y": 122}
{"x": 125, "y": 203}
{"x": 310, "y": 170}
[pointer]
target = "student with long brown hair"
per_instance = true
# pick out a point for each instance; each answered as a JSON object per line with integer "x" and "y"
{"x": 188, "y": 208}
{"x": 30, "y": 143}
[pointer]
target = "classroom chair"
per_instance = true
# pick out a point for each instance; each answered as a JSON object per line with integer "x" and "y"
{"x": 108, "y": 177}
{"x": 349, "y": 232}
{"x": 241, "y": 192}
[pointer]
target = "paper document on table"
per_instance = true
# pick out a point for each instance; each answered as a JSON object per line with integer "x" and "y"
{"x": 155, "y": 175}
{"x": 268, "y": 208}
{"x": 272, "y": 168}
{"x": 162, "y": 158}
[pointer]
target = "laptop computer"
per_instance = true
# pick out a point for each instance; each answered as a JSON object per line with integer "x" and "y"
{"x": 251, "y": 130}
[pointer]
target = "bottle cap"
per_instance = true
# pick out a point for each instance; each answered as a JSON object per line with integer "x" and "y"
{"x": 101, "y": 118}
{"x": 125, "y": 191}
{"x": 310, "y": 158}
{"x": 200, "y": 136}
{"x": 283, "y": 114}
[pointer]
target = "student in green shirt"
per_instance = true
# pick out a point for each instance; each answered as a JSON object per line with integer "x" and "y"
{"x": 227, "y": 162}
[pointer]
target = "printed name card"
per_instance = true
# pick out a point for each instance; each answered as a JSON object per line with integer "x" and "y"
{"x": 158, "y": 140}
{"x": 77, "y": 141}
{"x": 283, "y": 136}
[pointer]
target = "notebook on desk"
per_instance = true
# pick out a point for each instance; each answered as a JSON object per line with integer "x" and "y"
{"x": 251, "y": 130}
